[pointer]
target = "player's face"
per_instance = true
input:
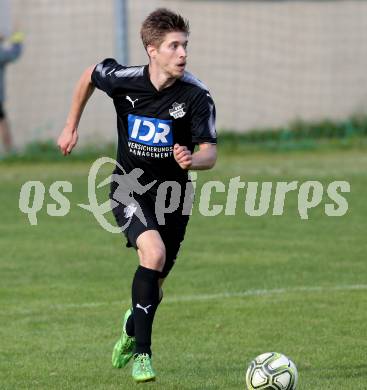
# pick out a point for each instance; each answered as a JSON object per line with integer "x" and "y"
{"x": 172, "y": 54}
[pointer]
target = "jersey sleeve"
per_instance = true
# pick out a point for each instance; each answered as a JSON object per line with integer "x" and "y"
{"x": 104, "y": 76}
{"x": 203, "y": 119}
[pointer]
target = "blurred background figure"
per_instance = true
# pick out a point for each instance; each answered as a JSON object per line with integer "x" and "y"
{"x": 10, "y": 50}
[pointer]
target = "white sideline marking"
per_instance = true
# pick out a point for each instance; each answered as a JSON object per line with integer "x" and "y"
{"x": 205, "y": 297}
{"x": 251, "y": 293}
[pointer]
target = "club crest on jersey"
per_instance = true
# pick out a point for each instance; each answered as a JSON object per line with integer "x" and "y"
{"x": 177, "y": 110}
{"x": 150, "y": 131}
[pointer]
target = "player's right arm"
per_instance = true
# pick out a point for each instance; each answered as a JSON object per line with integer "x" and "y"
{"x": 83, "y": 91}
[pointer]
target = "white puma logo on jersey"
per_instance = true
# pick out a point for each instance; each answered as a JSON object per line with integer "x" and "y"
{"x": 143, "y": 308}
{"x": 131, "y": 100}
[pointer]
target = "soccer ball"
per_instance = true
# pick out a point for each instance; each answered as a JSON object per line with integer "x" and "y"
{"x": 272, "y": 371}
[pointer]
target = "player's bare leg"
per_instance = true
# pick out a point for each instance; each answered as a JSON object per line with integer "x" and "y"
{"x": 6, "y": 135}
{"x": 151, "y": 250}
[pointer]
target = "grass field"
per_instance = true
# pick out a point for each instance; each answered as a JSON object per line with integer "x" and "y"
{"x": 242, "y": 286}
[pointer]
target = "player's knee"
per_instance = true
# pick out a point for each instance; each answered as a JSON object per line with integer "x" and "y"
{"x": 155, "y": 257}
{"x": 158, "y": 257}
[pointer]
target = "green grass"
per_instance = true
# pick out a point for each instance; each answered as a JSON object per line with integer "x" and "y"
{"x": 65, "y": 284}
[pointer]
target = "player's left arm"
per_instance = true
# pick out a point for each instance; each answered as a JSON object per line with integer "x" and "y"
{"x": 203, "y": 134}
{"x": 204, "y": 158}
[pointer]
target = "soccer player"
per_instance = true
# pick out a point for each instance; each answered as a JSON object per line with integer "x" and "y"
{"x": 8, "y": 53}
{"x": 163, "y": 112}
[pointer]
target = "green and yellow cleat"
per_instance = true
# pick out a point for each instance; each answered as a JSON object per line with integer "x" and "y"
{"x": 142, "y": 368}
{"x": 123, "y": 349}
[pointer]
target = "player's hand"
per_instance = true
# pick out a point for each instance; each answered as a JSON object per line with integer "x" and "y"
{"x": 182, "y": 156}
{"x": 67, "y": 140}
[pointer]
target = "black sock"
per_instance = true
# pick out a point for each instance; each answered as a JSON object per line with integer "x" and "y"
{"x": 145, "y": 298}
{"x": 130, "y": 321}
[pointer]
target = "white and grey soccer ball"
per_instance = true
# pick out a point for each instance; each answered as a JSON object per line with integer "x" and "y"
{"x": 272, "y": 371}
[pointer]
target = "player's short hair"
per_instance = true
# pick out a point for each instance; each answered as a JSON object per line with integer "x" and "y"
{"x": 159, "y": 23}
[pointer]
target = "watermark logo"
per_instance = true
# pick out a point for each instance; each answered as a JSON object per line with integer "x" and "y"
{"x": 253, "y": 199}
{"x": 258, "y": 197}
{"x": 127, "y": 185}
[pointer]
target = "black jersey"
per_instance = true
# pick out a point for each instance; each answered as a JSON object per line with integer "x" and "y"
{"x": 150, "y": 122}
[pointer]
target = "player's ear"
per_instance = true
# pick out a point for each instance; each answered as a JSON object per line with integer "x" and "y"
{"x": 152, "y": 51}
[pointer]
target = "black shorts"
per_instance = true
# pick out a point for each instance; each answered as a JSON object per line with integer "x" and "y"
{"x": 142, "y": 217}
{"x": 2, "y": 112}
